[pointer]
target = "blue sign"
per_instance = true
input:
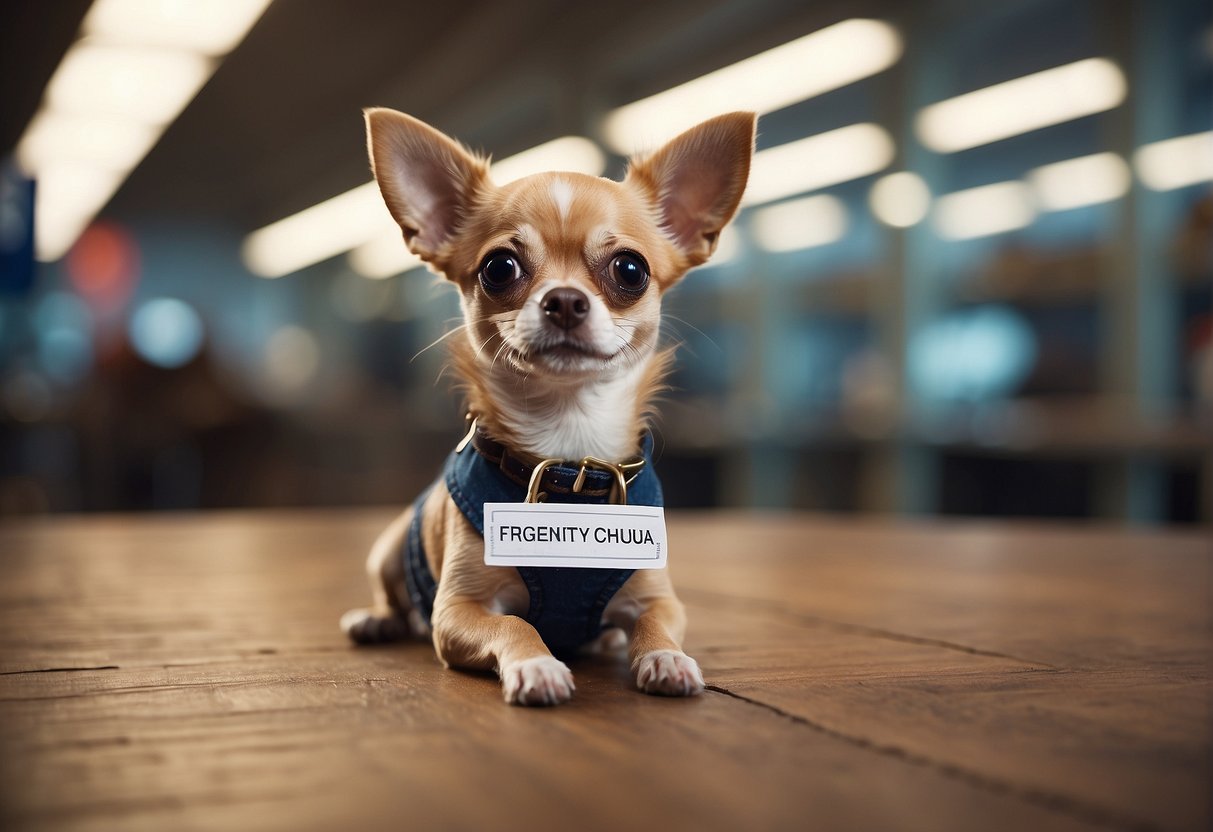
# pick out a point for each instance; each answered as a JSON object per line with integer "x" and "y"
{"x": 16, "y": 232}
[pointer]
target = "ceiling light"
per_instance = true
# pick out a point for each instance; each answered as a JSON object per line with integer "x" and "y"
{"x": 1175, "y": 163}
{"x": 816, "y": 63}
{"x": 146, "y": 85}
{"x": 1088, "y": 180}
{"x": 384, "y": 256}
{"x": 211, "y": 27}
{"x": 358, "y": 220}
{"x": 568, "y": 153}
{"x": 981, "y": 212}
{"x": 67, "y": 197}
{"x": 818, "y": 162}
{"x": 318, "y": 233}
{"x": 728, "y": 247}
{"x": 900, "y": 199}
{"x": 1044, "y": 98}
{"x": 802, "y": 223}
{"x": 138, "y": 64}
{"x": 108, "y": 143}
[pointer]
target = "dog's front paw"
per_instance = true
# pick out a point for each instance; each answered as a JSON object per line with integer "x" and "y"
{"x": 668, "y": 673}
{"x": 541, "y": 680}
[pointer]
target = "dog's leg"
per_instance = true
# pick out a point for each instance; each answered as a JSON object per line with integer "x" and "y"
{"x": 389, "y": 618}
{"x": 658, "y": 663}
{"x": 648, "y": 608}
{"x": 473, "y": 624}
{"x": 468, "y": 635}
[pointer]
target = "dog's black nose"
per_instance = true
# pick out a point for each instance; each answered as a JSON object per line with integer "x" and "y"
{"x": 566, "y": 307}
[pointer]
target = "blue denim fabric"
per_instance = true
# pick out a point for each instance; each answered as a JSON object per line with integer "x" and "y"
{"x": 566, "y": 603}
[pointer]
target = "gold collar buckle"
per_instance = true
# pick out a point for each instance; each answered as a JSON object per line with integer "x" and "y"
{"x": 624, "y": 474}
{"x": 621, "y": 481}
{"x": 533, "y": 494}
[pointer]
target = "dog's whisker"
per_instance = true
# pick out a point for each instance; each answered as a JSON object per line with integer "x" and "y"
{"x": 441, "y": 372}
{"x": 668, "y": 317}
{"x": 480, "y": 348}
{"x": 454, "y": 330}
{"x": 438, "y": 341}
{"x": 504, "y": 346}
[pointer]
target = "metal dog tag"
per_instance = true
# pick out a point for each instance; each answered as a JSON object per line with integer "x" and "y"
{"x": 588, "y": 536}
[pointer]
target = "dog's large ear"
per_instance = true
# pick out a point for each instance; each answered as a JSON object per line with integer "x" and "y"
{"x": 697, "y": 180}
{"x": 427, "y": 179}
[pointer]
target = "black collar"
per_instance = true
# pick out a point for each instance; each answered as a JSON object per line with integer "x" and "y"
{"x": 588, "y": 477}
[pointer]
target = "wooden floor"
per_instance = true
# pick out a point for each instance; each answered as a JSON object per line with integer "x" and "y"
{"x": 187, "y": 673}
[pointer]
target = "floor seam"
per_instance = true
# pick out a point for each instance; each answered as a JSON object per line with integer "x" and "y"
{"x": 58, "y": 669}
{"x": 859, "y": 629}
{"x": 1054, "y": 801}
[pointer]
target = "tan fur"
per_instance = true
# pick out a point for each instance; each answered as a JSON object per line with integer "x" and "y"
{"x": 565, "y": 228}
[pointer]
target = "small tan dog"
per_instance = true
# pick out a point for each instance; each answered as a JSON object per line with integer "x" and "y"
{"x": 561, "y": 277}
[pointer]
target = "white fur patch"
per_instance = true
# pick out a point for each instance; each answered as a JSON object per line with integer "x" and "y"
{"x": 565, "y": 421}
{"x": 669, "y": 673}
{"x": 562, "y": 195}
{"x": 540, "y": 680}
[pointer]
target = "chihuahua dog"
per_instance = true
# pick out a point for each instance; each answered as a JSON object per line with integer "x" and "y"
{"x": 561, "y": 277}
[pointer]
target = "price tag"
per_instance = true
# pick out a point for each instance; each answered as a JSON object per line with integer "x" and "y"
{"x": 556, "y": 534}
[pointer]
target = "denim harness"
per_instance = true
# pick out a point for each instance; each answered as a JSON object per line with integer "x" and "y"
{"x": 566, "y": 603}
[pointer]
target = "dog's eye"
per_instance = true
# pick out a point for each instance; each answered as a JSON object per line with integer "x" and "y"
{"x": 630, "y": 272}
{"x": 499, "y": 270}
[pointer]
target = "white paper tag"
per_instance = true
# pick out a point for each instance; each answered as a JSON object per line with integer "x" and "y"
{"x": 567, "y": 534}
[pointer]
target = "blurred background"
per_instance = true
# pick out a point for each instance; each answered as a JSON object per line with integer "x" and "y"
{"x": 972, "y": 274}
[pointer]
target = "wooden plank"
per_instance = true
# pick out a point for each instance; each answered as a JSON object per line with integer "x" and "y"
{"x": 374, "y": 735}
{"x": 1109, "y": 712}
{"x": 1126, "y": 748}
{"x": 849, "y": 691}
{"x": 1050, "y": 595}
{"x": 178, "y": 590}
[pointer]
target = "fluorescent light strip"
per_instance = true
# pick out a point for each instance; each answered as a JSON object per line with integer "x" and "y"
{"x": 207, "y": 27}
{"x": 985, "y": 211}
{"x": 1074, "y": 183}
{"x": 811, "y": 65}
{"x": 109, "y": 143}
{"x": 67, "y": 198}
{"x": 568, "y": 153}
{"x": 384, "y": 256}
{"x": 800, "y": 224}
{"x": 1175, "y": 163}
{"x": 358, "y": 219}
{"x": 319, "y": 232}
{"x": 1029, "y": 103}
{"x": 818, "y": 162}
{"x": 137, "y": 66}
{"x": 728, "y": 247}
{"x": 146, "y": 86}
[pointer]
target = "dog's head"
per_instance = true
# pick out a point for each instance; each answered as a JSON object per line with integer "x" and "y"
{"x": 561, "y": 274}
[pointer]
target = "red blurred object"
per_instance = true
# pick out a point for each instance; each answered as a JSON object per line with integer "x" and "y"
{"x": 103, "y": 266}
